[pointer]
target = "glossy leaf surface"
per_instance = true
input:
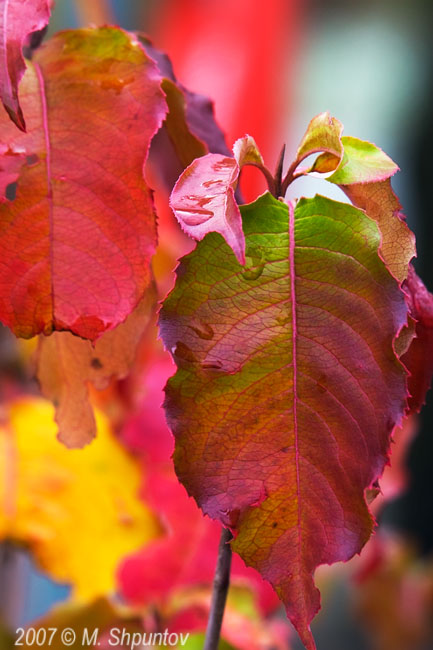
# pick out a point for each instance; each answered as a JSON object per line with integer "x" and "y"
{"x": 287, "y": 387}
{"x": 18, "y": 19}
{"x": 203, "y": 201}
{"x": 77, "y": 241}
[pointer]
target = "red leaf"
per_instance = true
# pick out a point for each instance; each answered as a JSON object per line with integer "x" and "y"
{"x": 76, "y": 242}
{"x": 18, "y": 19}
{"x": 419, "y": 357}
{"x": 10, "y": 164}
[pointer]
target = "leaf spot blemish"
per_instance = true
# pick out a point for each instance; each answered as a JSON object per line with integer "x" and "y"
{"x": 182, "y": 351}
{"x": 32, "y": 159}
{"x": 96, "y": 363}
{"x": 254, "y": 263}
{"x": 11, "y": 191}
{"x": 203, "y": 330}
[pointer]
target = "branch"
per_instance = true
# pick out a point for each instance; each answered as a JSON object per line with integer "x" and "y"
{"x": 219, "y": 592}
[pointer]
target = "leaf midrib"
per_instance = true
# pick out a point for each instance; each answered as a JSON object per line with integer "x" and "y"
{"x": 291, "y": 212}
{"x": 45, "y": 127}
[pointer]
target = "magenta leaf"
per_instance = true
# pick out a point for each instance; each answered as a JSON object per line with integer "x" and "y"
{"x": 203, "y": 201}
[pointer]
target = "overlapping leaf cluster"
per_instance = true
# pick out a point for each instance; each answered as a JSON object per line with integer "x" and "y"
{"x": 295, "y": 367}
{"x": 301, "y": 333}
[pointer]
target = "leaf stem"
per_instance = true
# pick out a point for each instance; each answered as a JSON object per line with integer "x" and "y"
{"x": 219, "y": 592}
{"x": 279, "y": 173}
{"x": 266, "y": 173}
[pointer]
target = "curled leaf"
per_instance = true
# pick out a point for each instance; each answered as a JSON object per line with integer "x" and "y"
{"x": 18, "y": 19}
{"x": 203, "y": 198}
{"x": 323, "y": 134}
{"x": 245, "y": 151}
{"x": 203, "y": 201}
{"x": 363, "y": 172}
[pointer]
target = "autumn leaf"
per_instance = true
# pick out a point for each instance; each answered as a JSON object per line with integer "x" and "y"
{"x": 363, "y": 172}
{"x": 188, "y": 111}
{"x": 418, "y": 359}
{"x": 76, "y": 242}
{"x": 203, "y": 199}
{"x": 379, "y": 201}
{"x": 46, "y": 505}
{"x": 18, "y": 19}
{"x": 288, "y": 387}
{"x": 184, "y": 557}
{"x": 66, "y": 363}
{"x": 186, "y": 145}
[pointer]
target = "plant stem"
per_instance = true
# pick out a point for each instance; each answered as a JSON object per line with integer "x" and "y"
{"x": 279, "y": 173}
{"x": 267, "y": 174}
{"x": 219, "y": 592}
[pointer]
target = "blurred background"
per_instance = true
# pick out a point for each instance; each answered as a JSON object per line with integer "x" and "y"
{"x": 270, "y": 67}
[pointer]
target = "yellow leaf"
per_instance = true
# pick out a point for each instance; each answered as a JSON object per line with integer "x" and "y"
{"x": 77, "y": 510}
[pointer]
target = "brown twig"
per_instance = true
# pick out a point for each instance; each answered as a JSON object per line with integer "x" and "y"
{"x": 266, "y": 173}
{"x": 219, "y": 592}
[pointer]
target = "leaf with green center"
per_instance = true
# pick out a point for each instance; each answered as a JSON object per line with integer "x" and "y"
{"x": 76, "y": 242}
{"x": 288, "y": 387}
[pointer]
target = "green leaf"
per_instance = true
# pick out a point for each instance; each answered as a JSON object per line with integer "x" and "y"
{"x": 323, "y": 134}
{"x": 362, "y": 162}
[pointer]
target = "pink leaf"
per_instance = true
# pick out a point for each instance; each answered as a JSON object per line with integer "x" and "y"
{"x": 18, "y": 19}
{"x": 203, "y": 201}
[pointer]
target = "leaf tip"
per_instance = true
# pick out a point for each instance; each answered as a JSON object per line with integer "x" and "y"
{"x": 71, "y": 441}
{"x": 16, "y": 116}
